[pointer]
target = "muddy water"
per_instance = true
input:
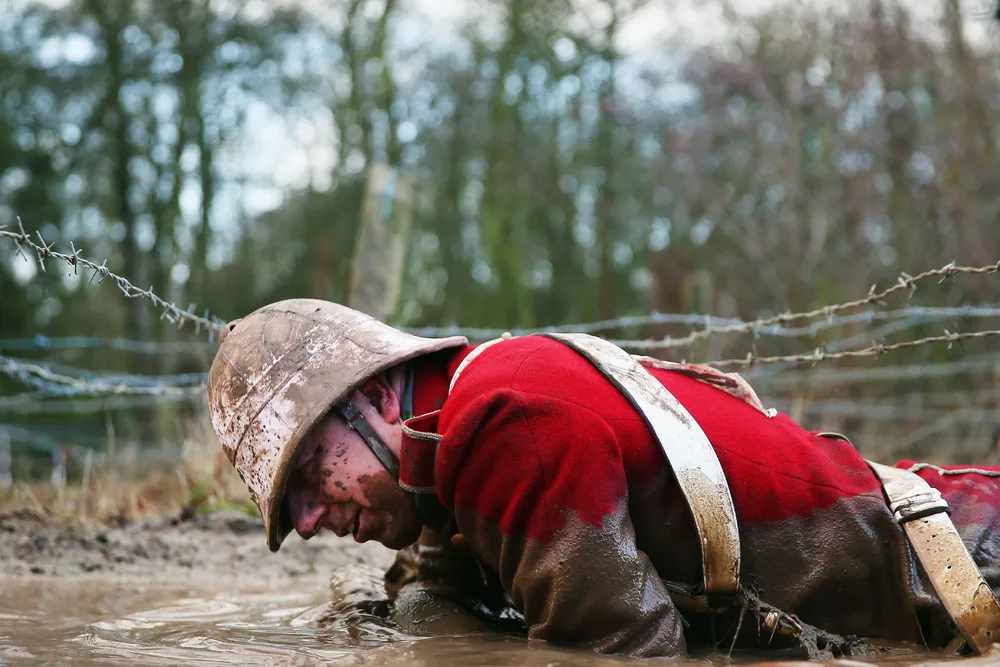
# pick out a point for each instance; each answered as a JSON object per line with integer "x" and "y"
{"x": 111, "y": 621}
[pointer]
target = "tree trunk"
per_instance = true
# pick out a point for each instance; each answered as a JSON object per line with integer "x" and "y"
{"x": 380, "y": 249}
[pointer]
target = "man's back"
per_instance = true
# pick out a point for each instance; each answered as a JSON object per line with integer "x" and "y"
{"x": 539, "y": 450}
{"x": 817, "y": 538}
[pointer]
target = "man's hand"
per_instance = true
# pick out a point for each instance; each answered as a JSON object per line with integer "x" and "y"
{"x": 439, "y": 587}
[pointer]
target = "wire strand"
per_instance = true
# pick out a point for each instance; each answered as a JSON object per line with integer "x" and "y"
{"x": 170, "y": 312}
{"x": 874, "y": 350}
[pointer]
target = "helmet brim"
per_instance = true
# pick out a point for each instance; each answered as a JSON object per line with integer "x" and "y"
{"x": 280, "y": 371}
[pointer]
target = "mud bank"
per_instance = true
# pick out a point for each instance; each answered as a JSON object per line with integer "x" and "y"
{"x": 225, "y": 545}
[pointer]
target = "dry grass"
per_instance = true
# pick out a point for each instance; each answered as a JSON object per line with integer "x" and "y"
{"x": 125, "y": 487}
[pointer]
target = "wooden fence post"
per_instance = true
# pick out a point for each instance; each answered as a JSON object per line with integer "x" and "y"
{"x": 376, "y": 274}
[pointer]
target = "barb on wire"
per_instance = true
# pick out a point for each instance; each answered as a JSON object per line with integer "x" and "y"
{"x": 841, "y": 344}
{"x": 905, "y": 282}
{"x": 874, "y": 350}
{"x": 114, "y": 377}
{"x": 44, "y": 251}
{"x": 840, "y": 377}
{"x": 898, "y": 320}
{"x": 42, "y": 377}
{"x": 910, "y": 315}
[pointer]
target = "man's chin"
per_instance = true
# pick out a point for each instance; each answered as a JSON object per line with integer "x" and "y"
{"x": 399, "y": 539}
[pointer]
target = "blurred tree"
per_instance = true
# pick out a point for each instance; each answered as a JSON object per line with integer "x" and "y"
{"x": 560, "y": 174}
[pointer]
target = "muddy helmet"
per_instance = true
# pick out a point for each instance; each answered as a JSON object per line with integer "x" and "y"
{"x": 279, "y": 370}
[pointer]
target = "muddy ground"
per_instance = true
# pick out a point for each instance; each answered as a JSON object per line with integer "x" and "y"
{"x": 225, "y": 545}
{"x": 227, "y": 550}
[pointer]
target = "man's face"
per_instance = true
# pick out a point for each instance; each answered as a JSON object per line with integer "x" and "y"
{"x": 338, "y": 484}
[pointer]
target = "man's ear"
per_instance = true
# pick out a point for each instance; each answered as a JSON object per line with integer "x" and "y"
{"x": 377, "y": 391}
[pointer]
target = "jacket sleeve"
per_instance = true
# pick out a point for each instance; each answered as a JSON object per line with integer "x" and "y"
{"x": 439, "y": 586}
{"x": 539, "y": 492}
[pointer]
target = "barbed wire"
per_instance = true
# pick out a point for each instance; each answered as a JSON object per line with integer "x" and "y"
{"x": 46, "y": 378}
{"x": 45, "y": 403}
{"x": 899, "y": 320}
{"x": 114, "y": 377}
{"x": 767, "y": 384}
{"x": 904, "y": 318}
{"x": 874, "y": 350}
{"x": 904, "y": 282}
{"x": 55, "y": 379}
{"x": 41, "y": 342}
{"x": 86, "y": 377}
{"x": 835, "y": 346}
{"x": 919, "y": 314}
{"x": 772, "y": 326}
{"x": 797, "y": 379}
{"x": 894, "y": 412}
{"x": 42, "y": 441}
{"x": 170, "y": 311}
{"x": 43, "y": 377}
{"x": 896, "y": 321}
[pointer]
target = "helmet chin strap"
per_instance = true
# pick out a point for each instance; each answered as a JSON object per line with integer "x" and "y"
{"x": 357, "y": 421}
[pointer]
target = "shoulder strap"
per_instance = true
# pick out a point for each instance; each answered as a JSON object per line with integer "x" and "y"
{"x": 471, "y": 356}
{"x": 685, "y": 445}
{"x": 689, "y": 453}
{"x": 924, "y": 516}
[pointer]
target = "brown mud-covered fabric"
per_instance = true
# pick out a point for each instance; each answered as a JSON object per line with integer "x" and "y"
{"x": 446, "y": 580}
{"x": 586, "y": 586}
{"x": 846, "y": 567}
{"x": 973, "y": 493}
{"x": 557, "y": 486}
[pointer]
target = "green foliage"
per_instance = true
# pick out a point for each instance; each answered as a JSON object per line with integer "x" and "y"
{"x": 561, "y": 176}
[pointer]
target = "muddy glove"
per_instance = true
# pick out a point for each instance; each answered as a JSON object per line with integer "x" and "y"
{"x": 438, "y": 586}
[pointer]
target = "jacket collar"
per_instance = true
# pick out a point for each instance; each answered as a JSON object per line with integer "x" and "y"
{"x": 431, "y": 376}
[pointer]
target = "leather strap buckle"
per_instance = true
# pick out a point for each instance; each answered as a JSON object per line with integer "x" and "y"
{"x": 939, "y": 548}
{"x": 352, "y": 415}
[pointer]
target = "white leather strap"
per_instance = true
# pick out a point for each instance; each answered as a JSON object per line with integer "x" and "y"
{"x": 471, "y": 356}
{"x": 922, "y": 512}
{"x": 689, "y": 453}
{"x": 685, "y": 445}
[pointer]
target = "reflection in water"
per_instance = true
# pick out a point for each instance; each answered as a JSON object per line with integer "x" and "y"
{"x": 109, "y": 621}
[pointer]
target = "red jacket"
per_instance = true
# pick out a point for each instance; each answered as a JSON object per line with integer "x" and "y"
{"x": 557, "y": 484}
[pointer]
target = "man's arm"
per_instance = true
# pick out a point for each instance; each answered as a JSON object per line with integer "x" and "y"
{"x": 539, "y": 491}
{"x": 439, "y": 587}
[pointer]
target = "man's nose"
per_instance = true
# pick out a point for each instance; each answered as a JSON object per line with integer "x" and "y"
{"x": 307, "y": 515}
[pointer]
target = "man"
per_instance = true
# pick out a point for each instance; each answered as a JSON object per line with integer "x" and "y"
{"x": 625, "y": 508}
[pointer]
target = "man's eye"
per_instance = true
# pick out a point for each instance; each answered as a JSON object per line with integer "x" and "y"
{"x": 297, "y": 477}
{"x": 303, "y": 464}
